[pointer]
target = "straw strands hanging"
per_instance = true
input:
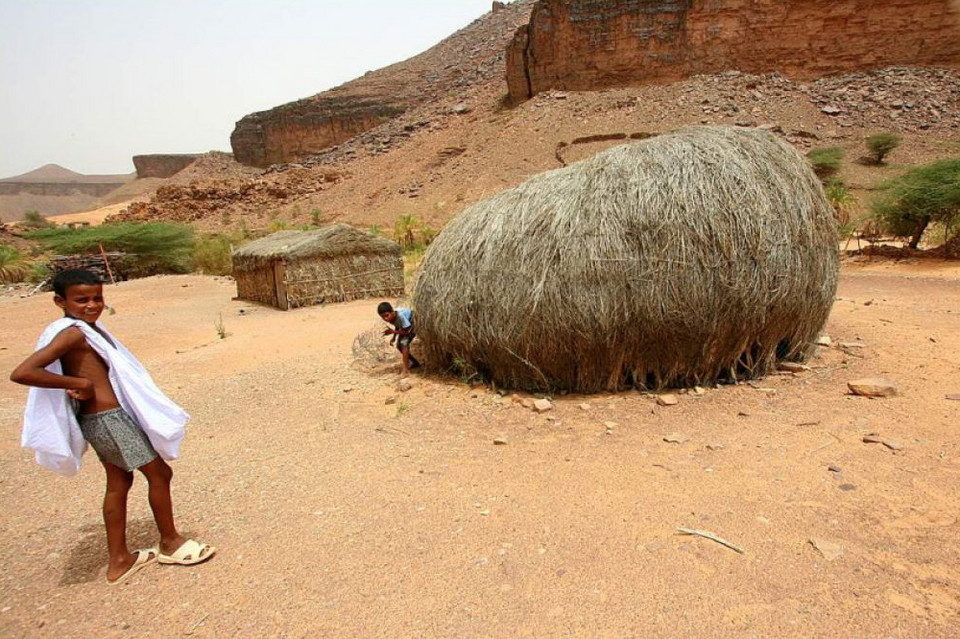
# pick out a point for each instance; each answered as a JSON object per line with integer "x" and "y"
{"x": 704, "y": 254}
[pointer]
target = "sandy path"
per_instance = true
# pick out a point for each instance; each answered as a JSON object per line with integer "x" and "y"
{"x": 339, "y": 515}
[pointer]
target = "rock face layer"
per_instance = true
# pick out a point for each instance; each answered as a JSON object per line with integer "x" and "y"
{"x": 591, "y": 44}
{"x": 293, "y": 131}
{"x": 162, "y": 165}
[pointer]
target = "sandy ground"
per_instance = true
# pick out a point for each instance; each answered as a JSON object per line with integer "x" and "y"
{"x": 94, "y": 217}
{"x": 339, "y": 514}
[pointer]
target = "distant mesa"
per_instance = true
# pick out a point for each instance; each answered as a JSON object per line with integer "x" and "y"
{"x": 162, "y": 165}
{"x": 54, "y": 190}
{"x": 294, "y": 131}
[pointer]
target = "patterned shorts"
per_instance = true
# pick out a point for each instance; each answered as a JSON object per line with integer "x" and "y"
{"x": 117, "y": 439}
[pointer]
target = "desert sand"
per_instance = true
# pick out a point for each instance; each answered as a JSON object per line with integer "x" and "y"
{"x": 344, "y": 507}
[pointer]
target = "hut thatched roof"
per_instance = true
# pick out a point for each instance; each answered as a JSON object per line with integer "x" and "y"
{"x": 336, "y": 240}
{"x": 697, "y": 255}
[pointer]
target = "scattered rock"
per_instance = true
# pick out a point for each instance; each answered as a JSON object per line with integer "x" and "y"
{"x": 824, "y": 340}
{"x": 499, "y": 441}
{"x": 872, "y": 438}
{"x": 847, "y": 487}
{"x": 831, "y": 110}
{"x": 390, "y": 400}
{"x": 654, "y": 547}
{"x": 404, "y": 385}
{"x": 676, "y": 438}
{"x": 954, "y": 396}
{"x": 583, "y": 406}
{"x": 873, "y": 387}
{"x": 542, "y": 405}
{"x": 461, "y": 108}
{"x": 667, "y": 400}
{"x": 713, "y": 446}
{"x": 828, "y": 549}
{"x": 526, "y": 402}
{"x": 851, "y": 344}
{"x": 892, "y": 444}
{"x": 792, "y": 367}
{"x": 834, "y": 469}
{"x": 698, "y": 390}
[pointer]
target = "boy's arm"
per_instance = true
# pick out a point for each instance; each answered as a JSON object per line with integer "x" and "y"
{"x": 32, "y": 371}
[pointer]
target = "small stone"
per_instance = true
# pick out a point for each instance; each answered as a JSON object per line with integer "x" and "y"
{"x": 872, "y": 438}
{"x": 830, "y": 110}
{"x": 698, "y": 390}
{"x": 676, "y": 438}
{"x": 390, "y": 400}
{"x": 654, "y": 547}
{"x": 834, "y": 469}
{"x": 828, "y": 549}
{"x": 542, "y": 405}
{"x": 873, "y": 387}
{"x": 851, "y": 344}
{"x": 892, "y": 444}
{"x": 348, "y": 389}
{"x": 485, "y": 513}
{"x": 667, "y": 400}
{"x": 847, "y": 487}
{"x": 792, "y": 367}
{"x": 526, "y": 402}
{"x": 404, "y": 385}
{"x": 516, "y": 399}
{"x": 824, "y": 340}
{"x": 583, "y": 406}
{"x": 714, "y": 446}
{"x": 953, "y": 396}
{"x": 609, "y": 425}
{"x": 499, "y": 441}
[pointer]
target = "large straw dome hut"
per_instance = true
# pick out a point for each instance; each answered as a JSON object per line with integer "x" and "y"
{"x": 702, "y": 254}
{"x": 337, "y": 263}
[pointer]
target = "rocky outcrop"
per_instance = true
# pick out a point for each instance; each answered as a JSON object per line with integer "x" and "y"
{"x": 591, "y": 44}
{"x": 162, "y": 165}
{"x": 291, "y": 132}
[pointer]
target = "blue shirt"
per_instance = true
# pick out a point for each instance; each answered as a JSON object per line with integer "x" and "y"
{"x": 404, "y": 318}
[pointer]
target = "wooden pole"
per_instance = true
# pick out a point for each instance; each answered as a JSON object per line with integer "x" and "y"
{"x": 106, "y": 262}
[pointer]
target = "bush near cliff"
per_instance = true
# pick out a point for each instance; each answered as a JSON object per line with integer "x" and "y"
{"x": 928, "y": 194}
{"x": 155, "y": 247}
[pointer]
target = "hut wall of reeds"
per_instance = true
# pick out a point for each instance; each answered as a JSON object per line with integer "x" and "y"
{"x": 705, "y": 254}
{"x": 338, "y": 263}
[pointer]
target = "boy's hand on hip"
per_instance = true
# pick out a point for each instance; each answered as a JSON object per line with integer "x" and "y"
{"x": 82, "y": 394}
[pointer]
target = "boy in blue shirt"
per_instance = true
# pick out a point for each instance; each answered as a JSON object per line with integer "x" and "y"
{"x": 402, "y": 332}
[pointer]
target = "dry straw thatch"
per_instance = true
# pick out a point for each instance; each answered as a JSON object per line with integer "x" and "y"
{"x": 700, "y": 255}
{"x": 337, "y": 263}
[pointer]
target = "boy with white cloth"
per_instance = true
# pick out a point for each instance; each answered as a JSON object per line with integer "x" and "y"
{"x": 88, "y": 388}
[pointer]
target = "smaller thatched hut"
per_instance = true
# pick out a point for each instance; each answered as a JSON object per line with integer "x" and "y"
{"x": 338, "y": 263}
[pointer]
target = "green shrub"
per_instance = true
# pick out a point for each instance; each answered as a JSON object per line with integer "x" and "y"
{"x": 825, "y": 162}
{"x": 842, "y": 201}
{"x": 155, "y": 247}
{"x": 881, "y": 144}
{"x": 33, "y": 220}
{"x": 910, "y": 202}
{"x": 39, "y": 271}
{"x": 410, "y": 232}
{"x": 14, "y": 266}
{"x": 211, "y": 254}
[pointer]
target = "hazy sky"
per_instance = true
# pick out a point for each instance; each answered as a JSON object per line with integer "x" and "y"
{"x": 89, "y": 83}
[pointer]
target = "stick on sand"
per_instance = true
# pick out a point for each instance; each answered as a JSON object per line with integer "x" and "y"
{"x": 711, "y": 536}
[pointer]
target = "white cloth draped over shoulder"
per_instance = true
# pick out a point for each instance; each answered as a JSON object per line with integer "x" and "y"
{"x": 50, "y": 427}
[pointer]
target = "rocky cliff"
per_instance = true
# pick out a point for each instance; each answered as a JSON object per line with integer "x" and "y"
{"x": 162, "y": 165}
{"x": 591, "y": 44}
{"x": 296, "y": 130}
